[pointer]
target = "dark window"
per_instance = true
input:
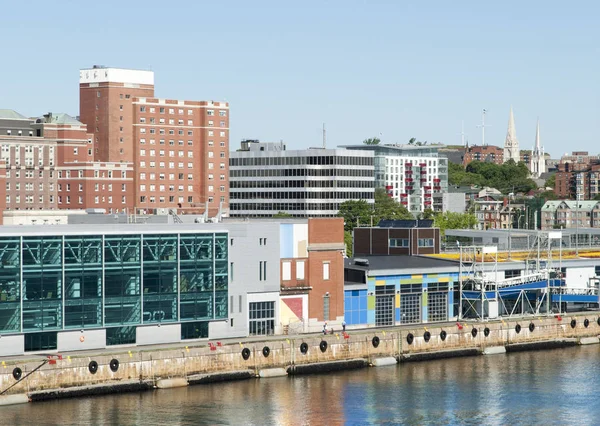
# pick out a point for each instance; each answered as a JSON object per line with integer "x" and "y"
{"x": 194, "y": 330}
{"x": 40, "y": 341}
{"x": 120, "y": 336}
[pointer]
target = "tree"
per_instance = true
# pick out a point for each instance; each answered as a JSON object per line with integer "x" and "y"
{"x": 282, "y": 215}
{"x": 386, "y": 208}
{"x": 359, "y": 212}
{"x": 348, "y": 242}
{"x": 451, "y": 220}
{"x": 550, "y": 182}
{"x": 354, "y": 213}
{"x": 372, "y": 141}
{"x": 427, "y": 214}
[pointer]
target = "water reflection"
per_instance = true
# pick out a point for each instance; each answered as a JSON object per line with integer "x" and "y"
{"x": 551, "y": 388}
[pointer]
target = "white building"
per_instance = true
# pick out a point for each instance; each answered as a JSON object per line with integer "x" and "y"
{"x": 416, "y": 176}
{"x": 266, "y": 179}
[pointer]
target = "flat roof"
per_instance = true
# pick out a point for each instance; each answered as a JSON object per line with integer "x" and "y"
{"x": 393, "y": 265}
{"x": 104, "y": 228}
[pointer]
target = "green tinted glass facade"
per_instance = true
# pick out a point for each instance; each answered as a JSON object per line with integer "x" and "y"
{"x": 52, "y": 283}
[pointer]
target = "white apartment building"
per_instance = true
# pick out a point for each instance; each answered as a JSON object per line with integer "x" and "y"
{"x": 416, "y": 176}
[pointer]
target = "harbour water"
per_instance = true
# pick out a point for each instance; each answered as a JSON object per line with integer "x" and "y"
{"x": 555, "y": 387}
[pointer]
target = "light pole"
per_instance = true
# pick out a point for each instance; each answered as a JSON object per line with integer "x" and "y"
{"x": 511, "y": 194}
{"x": 577, "y": 195}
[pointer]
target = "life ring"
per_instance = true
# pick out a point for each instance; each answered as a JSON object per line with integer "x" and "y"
{"x": 586, "y": 323}
{"x": 518, "y": 328}
{"x": 93, "y": 367}
{"x": 443, "y": 335}
{"x": 375, "y": 341}
{"x": 266, "y": 351}
{"x": 245, "y": 354}
{"x": 114, "y": 365}
{"x": 426, "y": 336}
{"x": 17, "y": 373}
{"x": 304, "y": 348}
{"x": 410, "y": 338}
{"x": 486, "y": 332}
{"x": 573, "y": 323}
{"x": 82, "y": 339}
{"x": 323, "y": 345}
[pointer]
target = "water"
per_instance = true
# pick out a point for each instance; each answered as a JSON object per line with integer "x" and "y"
{"x": 557, "y": 387}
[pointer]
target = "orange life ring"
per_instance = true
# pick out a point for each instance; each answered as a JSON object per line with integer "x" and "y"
{"x": 82, "y": 339}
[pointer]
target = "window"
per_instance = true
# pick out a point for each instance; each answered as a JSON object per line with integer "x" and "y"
{"x": 262, "y": 270}
{"x": 222, "y": 113}
{"x": 261, "y": 317}
{"x": 300, "y": 270}
{"x": 425, "y": 242}
{"x": 210, "y": 112}
{"x": 399, "y": 242}
{"x": 325, "y": 270}
{"x": 286, "y": 270}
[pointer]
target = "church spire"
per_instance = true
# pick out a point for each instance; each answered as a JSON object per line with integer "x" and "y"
{"x": 511, "y": 143}
{"x": 537, "y": 137}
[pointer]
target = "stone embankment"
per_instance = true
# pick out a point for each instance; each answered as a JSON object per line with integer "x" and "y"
{"x": 71, "y": 375}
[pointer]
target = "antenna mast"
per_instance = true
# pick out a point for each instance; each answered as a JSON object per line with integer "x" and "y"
{"x": 324, "y": 137}
{"x": 483, "y": 126}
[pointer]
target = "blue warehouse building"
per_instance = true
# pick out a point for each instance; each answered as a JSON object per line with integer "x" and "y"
{"x": 393, "y": 290}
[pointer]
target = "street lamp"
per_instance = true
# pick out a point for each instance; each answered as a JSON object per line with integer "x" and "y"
{"x": 577, "y": 197}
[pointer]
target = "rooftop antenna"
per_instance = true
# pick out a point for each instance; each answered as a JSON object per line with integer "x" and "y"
{"x": 483, "y": 126}
{"x": 462, "y": 133}
{"x": 324, "y": 137}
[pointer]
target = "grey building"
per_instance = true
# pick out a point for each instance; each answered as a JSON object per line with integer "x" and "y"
{"x": 264, "y": 180}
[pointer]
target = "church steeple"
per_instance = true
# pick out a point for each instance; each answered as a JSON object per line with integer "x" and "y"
{"x": 511, "y": 143}
{"x": 537, "y": 162}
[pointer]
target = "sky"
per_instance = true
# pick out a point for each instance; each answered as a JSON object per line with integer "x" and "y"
{"x": 398, "y": 69}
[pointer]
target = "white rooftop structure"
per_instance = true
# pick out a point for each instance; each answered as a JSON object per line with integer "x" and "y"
{"x": 100, "y": 74}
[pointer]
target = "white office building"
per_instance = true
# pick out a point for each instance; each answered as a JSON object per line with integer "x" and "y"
{"x": 266, "y": 179}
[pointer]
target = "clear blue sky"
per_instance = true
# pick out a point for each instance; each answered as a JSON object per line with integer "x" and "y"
{"x": 363, "y": 67}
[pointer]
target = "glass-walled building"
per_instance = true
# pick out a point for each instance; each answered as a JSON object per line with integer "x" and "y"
{"x": 56, "y": 279}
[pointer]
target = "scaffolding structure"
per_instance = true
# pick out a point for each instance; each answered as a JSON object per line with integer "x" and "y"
{"x": 535, "y": 292}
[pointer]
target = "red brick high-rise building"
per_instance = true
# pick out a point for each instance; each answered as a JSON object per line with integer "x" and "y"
{"x": 180, "y": 149}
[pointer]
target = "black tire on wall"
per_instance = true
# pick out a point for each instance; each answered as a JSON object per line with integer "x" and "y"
{"x": 531, "y": 327}
{"x": 474, "y": 332}
{"x": 93, "y": 367}
{"x": 573, "y": 323}
{"x": 114, "y": 365}
{"x": 323, "y": 345}
{"x": 245, "y": 354}
{"x": 427, "y": 336}
{"x": 266, "y": 351}
{"x": 486, "y": 332}
{"x": 375, "y": 341}
{"x": 443, "y": 335}
{"x": 304, "y": 348}
{"x": 410, "y": 338}
{"x": 17, "y": 373}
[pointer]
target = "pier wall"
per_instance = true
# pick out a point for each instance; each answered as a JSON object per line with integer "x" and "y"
{"x": 138, "y": 369}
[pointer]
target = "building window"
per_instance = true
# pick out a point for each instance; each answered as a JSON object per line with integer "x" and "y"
{"x": 261, "y": 318}
{"x": 325, "y": 270}
{"x": 399, "y": 242}
{"x": 262, "y": 270}
{"x": 286, "y": 270}
{"x": 425, "y": 242}
{"x": 300, "y": 270}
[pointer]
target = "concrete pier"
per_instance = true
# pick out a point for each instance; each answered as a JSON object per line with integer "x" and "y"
{"x": 95, "y": 372}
